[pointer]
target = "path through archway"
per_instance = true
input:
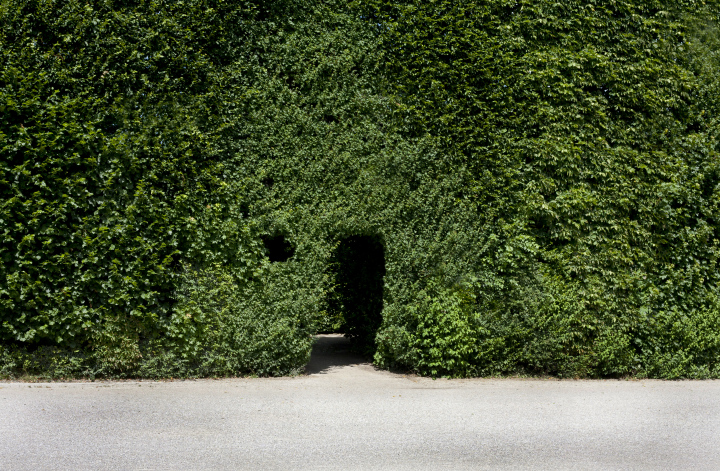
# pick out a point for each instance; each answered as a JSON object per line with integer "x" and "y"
{"x": 358, "y": 270}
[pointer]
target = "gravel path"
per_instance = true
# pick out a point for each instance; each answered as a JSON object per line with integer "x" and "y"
{"x": 346, "y": 415}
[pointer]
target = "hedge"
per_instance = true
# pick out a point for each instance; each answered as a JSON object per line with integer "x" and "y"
{"x": 466, "y": 188}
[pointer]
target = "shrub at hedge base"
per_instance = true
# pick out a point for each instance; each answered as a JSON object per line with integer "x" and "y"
{"x": 216, "y": 329}
{"x": 180, "y": 181}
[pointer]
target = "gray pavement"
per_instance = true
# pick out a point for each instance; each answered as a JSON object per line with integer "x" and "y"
{"x": 346, "y": 415}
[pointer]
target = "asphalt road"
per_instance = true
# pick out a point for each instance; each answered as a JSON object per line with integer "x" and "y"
{"x": 346, "y": 415}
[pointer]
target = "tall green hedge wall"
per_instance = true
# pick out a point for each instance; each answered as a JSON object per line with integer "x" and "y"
{"x": 539, "y": 178}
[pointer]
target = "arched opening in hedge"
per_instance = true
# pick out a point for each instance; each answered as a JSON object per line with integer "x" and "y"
{"x": 358, "y": 271}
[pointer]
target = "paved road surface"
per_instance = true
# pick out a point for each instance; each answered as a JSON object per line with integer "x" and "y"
{"x": 346, "y": 415}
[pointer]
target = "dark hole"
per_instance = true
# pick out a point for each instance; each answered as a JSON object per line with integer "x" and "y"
{"x": 277, "y": 248}
{"x": 244, "y": 210}
{"x": 358, "y": 270}
{"x": 709, "y": 183}
{"x": 268, "y": 182}
{"x": 262, "y": 15}
{"x": 414, "y": 184}
{"x": 694, "y": 127}
{"x": 290, "y": 80}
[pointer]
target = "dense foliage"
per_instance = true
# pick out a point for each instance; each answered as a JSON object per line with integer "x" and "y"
{"x": 588, "y": 136}
{"x": 115, "y": 198}
{"x": 194, "y": 188}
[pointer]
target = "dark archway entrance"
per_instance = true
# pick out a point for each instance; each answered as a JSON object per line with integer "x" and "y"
{"x": 358, "y": 271}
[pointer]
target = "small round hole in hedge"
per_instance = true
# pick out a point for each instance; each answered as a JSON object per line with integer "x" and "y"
{"x": 277, "y": 248}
